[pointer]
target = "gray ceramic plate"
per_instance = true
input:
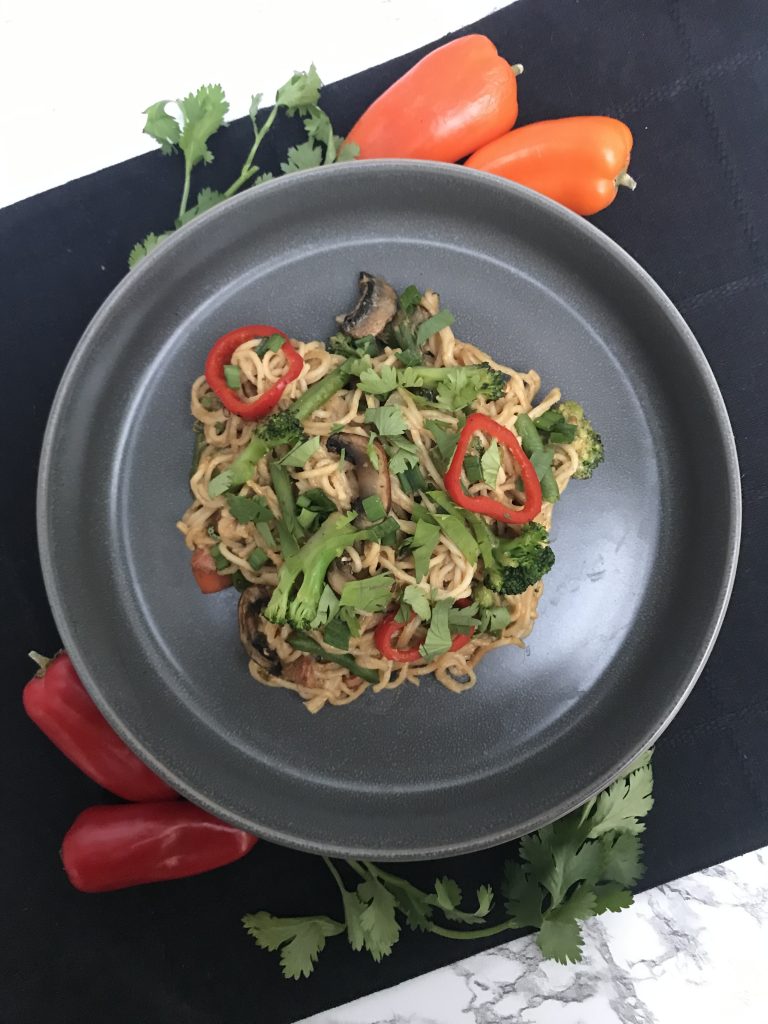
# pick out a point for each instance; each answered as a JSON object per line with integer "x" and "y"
{"x": 629, "y": 612}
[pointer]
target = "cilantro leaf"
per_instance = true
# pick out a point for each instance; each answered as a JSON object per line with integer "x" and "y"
{"x": 494, "y": 620}
{"x": 620, "y": 807}
{"x": 300, "y": 92}
{"x": 388, "y": 420}
{"x": 446, "y": 440}
{"x": 301, "y": 939}
{"x": 611, "y": 896}
{"x": 438, "y": 639}
{"x": 207, "y": 198}
{"x": 327, "y": 607}
{"x": 622, "y": 858}
{"x": 560, "y": 939}
{"x": 403, "y": 454}
{"x": 560, "y": 936}
{"x": 300, "y": 158}
{"x": 203, "y": 113}
{"x": 417, "y": 600}
{"x": 337, "y": 633}
{"x": 447, "y": 893}
{"x": 455, "y": 530}
{"x": 409, "y": 299}
{"x": 490, "y": 462}
{"x": 378, "y": 919}
{"x": 422, "y": 545}
{"x": 371, "y": 594}
{"x": 523, "y": 895}
{"x": 249, "y": 510}
{"x": 253, "y": 109}
{"x": 142, "y": 249}
{"x": 345, "y": 149}
{"x": 378, "y": 382}
{"x": 162, "y": 127}
{"x": 301, "y": 453}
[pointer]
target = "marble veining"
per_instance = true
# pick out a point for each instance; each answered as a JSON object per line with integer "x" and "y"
{"x": 692, "y": 951}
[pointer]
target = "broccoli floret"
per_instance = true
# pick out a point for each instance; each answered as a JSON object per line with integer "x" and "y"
{"x": 587, "y": 442}
{"x": 353, "y": 348}
{"x": 280, "y": 428}
{"x": 301, "y": 580}
{"x": 480, "y": 379}
{"x": 520, "y": 561}
{"x": 484, "y": 597}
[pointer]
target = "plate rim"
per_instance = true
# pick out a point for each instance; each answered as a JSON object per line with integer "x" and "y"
{"x": 616, "y": 253}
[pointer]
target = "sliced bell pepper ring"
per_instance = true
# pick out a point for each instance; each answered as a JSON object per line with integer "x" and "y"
{"x": 387, "y": 629}
{"x": 220, "y": 356}
{"x": 484, "y": 505}
{"x": 204, "y": 570}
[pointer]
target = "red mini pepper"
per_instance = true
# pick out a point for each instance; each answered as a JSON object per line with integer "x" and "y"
{"x": 58, "y": 703}
{"x": 482, "y": 504}
{"x": 204, "y": 570}
{"x": 220, "y": 356}
{"x": 457, "y": 98}
{"x": 387, "y": 630}
{"x": 115, "y": 846}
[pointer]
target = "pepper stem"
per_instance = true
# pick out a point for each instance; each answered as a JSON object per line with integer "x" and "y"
{"x": 41, "y": 661}
{"x": 517, "y": 69}
{"x": 626, "y": 180}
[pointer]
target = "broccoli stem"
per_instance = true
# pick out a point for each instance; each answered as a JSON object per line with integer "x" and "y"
{"x": 286, "y": 499}
{"x": 321, "y": 391}
{"x": 303, "y": 642}
{"x": 532, "y": 444}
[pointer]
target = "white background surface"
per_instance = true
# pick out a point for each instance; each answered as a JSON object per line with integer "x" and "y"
{"x": 76, "y": 75}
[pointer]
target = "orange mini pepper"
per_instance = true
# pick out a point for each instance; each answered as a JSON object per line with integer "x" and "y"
{"x": 577, "y": 161}
{"x": 455, "y": 99}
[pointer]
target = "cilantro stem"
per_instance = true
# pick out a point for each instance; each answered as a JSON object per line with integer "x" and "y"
{"x": 474, "y": 933}
{"x": 247, "y": 171}
{"x": 185, "y": 193}
{"x": 336, "y": 876}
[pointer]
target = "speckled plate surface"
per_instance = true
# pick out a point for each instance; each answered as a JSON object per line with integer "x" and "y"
{"x": 629, "y": 613}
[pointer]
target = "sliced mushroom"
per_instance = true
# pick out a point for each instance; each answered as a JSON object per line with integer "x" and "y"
{"x": 370, "y": 480}
{"x": 375, "y": 307}
{"x": 252, "y": 603}
{"x": 339, "y": 574}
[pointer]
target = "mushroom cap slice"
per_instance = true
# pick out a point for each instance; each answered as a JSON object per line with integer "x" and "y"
{"x": 370, "y": 479}
{"x": 376, "y": 306}
{"x": 249, "y": 609}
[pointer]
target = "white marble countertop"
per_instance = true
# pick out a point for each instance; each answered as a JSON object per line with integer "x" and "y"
{"x": 694, "y": 950}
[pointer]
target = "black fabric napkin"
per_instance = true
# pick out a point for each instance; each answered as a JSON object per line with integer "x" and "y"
{"x": 691, "y": 79}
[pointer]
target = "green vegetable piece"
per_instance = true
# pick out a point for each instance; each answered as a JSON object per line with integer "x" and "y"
{"x": 257, "y": 559}
{"x": 301, "y": 453}
{"x": 336, "y": 634}
{"x": 388, "y": 420}
{"x": 303, "y": 642}
{"x": 249, "y": 510}
{"x": 490, "y": 463}
{"x": 373, "y": 507}
{"x": 438, "y": 639}
{"x": 371, "y": 594}
{"x": 533, "y": 446}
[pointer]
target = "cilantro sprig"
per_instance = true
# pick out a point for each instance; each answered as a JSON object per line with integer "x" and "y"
{"x": 201, "y": 115}
{"x": 574, "y": 869}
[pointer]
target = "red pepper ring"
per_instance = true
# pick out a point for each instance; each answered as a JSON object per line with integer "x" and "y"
{"x": 482, "y": 504}
{"x": 387, "y": 629}
{"x": 220, "y": 356}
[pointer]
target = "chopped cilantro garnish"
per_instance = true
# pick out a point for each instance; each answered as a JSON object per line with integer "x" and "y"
{"x": 368, "y": 595}
{"x": 388, "y": 420}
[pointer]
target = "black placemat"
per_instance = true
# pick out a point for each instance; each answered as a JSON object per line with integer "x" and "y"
{"x": 691, "y": 79}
